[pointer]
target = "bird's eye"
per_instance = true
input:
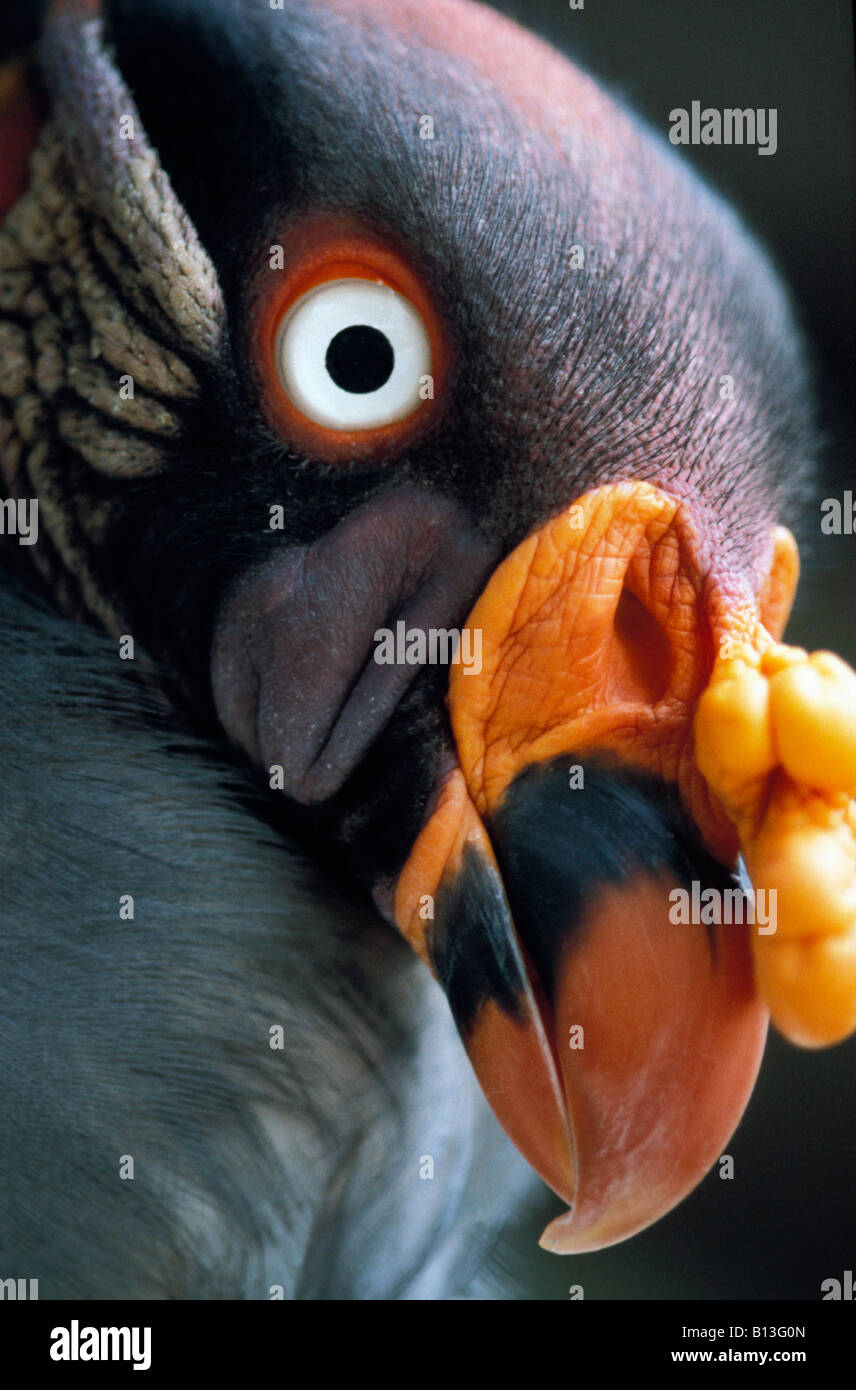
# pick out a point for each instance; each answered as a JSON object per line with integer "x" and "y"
{"x": 353, "y": 354}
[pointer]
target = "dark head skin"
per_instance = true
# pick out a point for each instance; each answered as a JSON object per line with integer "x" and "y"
{"x": 560, "y": 379}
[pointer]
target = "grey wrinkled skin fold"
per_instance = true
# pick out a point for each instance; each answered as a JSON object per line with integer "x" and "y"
{"x": 103, "y": 281}
{"x": 126, "y": 183}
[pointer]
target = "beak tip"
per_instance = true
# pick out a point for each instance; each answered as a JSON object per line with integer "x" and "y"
{"x": 554, "y": 1237}
{"x": 565, "y": 1235}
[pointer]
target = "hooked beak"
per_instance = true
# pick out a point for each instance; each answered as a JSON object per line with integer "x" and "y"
{"x": 617, "y": 1048}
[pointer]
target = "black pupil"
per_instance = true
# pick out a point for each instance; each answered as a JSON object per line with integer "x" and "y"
{"x": 360, "y": 359}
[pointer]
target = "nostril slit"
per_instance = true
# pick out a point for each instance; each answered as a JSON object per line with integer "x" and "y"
{"x": 641, "y": 659}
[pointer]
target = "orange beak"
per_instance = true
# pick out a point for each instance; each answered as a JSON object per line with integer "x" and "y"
{"x": 617, "y": 1043}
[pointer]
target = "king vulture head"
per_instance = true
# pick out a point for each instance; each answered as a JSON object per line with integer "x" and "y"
{"x": 434, "y": 428}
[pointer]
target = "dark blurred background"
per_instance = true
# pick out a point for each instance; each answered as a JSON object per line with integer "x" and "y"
{"x": 787, "y": 1220}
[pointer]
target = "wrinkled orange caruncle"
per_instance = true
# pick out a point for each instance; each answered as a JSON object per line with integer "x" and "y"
{"x": 776, "y": 741}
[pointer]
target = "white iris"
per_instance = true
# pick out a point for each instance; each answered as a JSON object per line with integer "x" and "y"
{"x": 352, "y": 355}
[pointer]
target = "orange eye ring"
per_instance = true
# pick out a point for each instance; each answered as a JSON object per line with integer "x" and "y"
{"x": 321, "y": 251}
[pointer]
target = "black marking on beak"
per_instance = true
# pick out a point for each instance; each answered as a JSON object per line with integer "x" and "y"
{"x": 556, "y": 846}
{"x": 471, "y": 944}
